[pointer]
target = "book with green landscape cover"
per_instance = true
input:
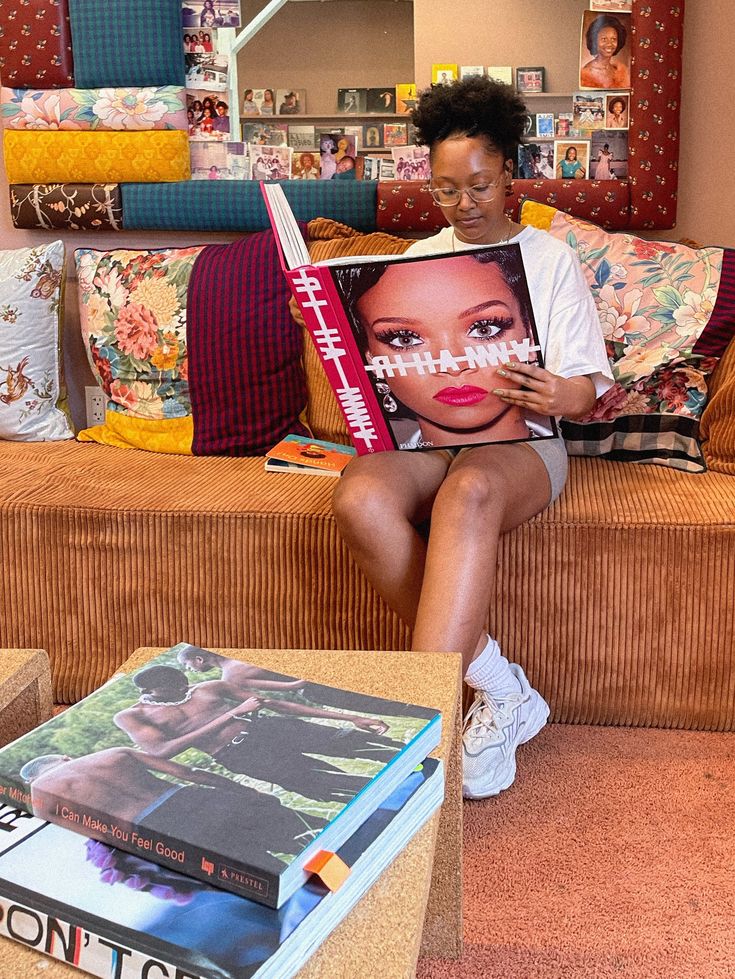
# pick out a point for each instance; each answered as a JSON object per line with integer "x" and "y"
{"x": 218, "y": 769}
{"x": 113, "y": 914}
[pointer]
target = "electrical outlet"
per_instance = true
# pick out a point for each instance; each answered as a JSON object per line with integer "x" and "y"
{"x": 96, "y": 403}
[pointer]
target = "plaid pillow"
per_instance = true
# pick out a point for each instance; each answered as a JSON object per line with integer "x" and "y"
{"x": 668, "y": 312}
{"x": 246, "y": 381}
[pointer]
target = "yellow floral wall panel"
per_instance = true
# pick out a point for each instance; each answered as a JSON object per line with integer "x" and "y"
{"x": 95, "y": 157}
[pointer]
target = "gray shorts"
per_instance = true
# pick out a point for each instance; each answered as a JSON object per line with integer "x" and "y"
{"x": 553, "y": 454}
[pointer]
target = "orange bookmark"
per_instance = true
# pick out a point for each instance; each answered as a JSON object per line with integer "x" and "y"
{"x": 331, "y": 870}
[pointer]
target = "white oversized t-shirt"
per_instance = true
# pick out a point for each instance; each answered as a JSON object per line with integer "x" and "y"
{"x": 568, "y": 326}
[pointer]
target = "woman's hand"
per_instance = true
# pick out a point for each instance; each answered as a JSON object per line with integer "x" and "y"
{"x": 546, "y": 393}
{"x": 296, "y": 314}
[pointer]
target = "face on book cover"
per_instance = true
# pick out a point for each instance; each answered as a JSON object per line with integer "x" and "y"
{"x": 418, "y": 308}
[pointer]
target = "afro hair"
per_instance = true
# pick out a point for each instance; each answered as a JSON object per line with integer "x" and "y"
{"x": 474, "y": 106}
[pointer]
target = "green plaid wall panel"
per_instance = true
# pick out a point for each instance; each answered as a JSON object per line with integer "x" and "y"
{"x": 127, "y": 42}
{"x": 232, "y": 205}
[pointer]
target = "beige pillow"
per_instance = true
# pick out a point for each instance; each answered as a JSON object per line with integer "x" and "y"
{"x": 32, "y": 396}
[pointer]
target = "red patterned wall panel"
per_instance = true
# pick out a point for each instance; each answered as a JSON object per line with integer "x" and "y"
{"x": 654, "y": 112}
{"x": 35, "y": 44}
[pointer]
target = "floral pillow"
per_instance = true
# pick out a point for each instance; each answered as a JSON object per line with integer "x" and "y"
{"x": 32, "y": 397}
{"x": 667, "y": 313}
{"x": 133, "y": 316}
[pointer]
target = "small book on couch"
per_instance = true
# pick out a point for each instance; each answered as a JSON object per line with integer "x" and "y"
{"x": 218, "y": 769}
{"x": 412, "y": 345}
{"x": 114, "y": 914}
{"x": 299, "y": 454}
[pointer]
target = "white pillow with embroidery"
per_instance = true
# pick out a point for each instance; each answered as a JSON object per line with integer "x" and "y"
{"x": 32, "y": 396}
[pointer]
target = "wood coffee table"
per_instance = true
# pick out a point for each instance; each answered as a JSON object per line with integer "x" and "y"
{"x": 416, "y": 905}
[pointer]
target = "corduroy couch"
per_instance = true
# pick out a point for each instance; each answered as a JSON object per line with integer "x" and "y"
{"x": 616, "y": 599}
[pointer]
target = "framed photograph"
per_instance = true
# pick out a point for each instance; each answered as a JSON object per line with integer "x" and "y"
{"x": 444, "y": 74}
{"x": 411, "y": 162}
{"x": 617, "y": 105}
{"x": 386, "y": 169}
{"x": 395, "y": 134}
{"x": 290, "y": 101}
{"x": 500, "y": 73}
{"x": 604, "y": 51}
{"x": 211, "y": 13}
{"x": 536, "y": 160}
{"x": 530, "y": 80}
{"x": 351, "y": 100}
{"x": 305, "y": 166}
{"x": 270, "y": 162}
{"x": 471, "y": 71}
{"x": 563, "y": 124}
{"x": 220, "y": 161}
{"x": 372, "y": 135}
{"x": 623, "y": 6}
{"x": 200, "y": 42}
{"x": 381, "y": 99}
{"x": 208, "y": 115}
{"x": 571, "y": 158}
{"x": 406, "y": 97}
{"x": 301, "y": 137}
{"x": 609, "y": 154}
{"x": 545, "y": 125}
{"x": 258, "y": 102}
{"x": 588, "y": 110}
{"x": 265, "y": 133}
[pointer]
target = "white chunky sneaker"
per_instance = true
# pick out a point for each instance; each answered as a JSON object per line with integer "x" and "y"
{"x": 493, "y": 729}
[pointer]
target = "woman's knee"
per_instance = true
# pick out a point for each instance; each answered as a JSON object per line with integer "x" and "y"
{"x": 473, "y": 490}
{"x": 357, "y": 499}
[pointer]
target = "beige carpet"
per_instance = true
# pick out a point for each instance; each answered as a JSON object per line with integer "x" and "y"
{"x": 612, "y": 857}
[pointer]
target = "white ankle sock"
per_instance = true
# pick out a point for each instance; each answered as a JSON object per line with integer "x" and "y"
{"x": 490, "y": 671}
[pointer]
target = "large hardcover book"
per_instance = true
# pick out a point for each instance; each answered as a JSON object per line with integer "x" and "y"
{"x": 412, "y": 346}
{"x": 117, "y": 915}
{"x": 218, "y": 769}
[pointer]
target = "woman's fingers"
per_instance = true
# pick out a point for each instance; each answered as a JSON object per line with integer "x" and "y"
{"x": 529, "y": 375}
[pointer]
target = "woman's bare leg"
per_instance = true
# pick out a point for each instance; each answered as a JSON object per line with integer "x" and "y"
{"x": 444, "y": 591}
{"x": 378, "y": 503}
{"x": 488, "y": 490}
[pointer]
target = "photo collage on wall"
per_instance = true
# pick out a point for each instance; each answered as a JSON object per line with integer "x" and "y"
{"x": 591, "y": 140}
{"x": 207, "y": 62}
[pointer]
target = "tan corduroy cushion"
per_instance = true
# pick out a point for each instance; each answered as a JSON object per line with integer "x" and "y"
{"x": 717, "y": 427}
{"x": 330, "y": 239}
{"x": 613, "y": 599}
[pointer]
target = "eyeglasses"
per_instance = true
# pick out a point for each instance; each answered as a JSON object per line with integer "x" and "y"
{"x": 480, "y": 193}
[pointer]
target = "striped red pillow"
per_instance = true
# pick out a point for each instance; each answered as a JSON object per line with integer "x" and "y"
{"x": 246, "y": 379}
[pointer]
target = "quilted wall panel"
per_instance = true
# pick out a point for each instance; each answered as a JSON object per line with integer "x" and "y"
{"x": 102, "y": 109}
{"x": 127, "y": 42}
{"x": 35, "y": 44}
{"x": 69, "y": 207}
{"x": 237, "y": 205}
{"x": 654, "y": 112}
{"x": 65, "y": 157}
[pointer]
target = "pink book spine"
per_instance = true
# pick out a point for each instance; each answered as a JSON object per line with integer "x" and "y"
{"x": 314, "y": 291}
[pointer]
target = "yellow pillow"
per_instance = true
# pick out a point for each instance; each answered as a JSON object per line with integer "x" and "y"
{"x": 43, "y": 157}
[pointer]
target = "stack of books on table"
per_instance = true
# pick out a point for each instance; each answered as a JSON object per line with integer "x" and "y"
{"x": 206, "y": 818}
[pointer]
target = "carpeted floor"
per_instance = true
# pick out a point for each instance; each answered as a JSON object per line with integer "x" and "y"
{"x": 612, "y": 857}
